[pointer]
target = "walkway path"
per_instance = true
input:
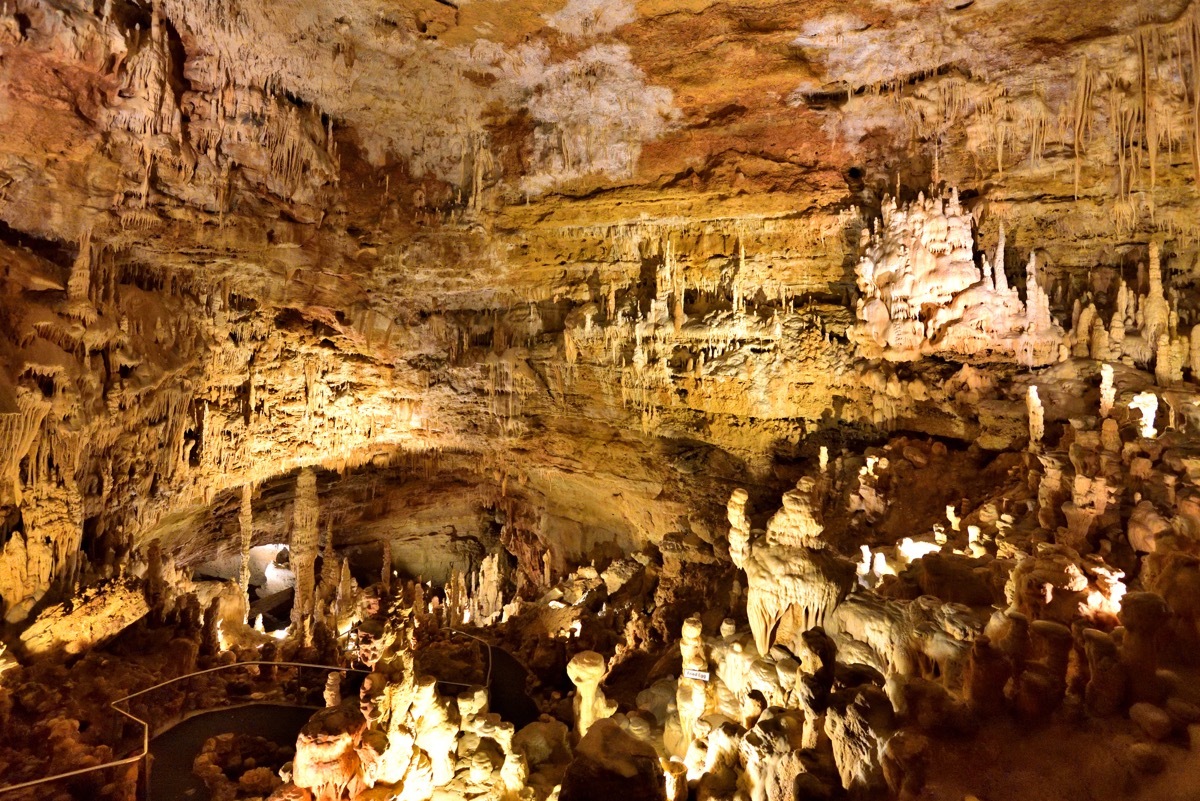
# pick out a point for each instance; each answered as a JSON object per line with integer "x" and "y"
{"x": 173, "y": 751}
{"x": 506, "y": 695}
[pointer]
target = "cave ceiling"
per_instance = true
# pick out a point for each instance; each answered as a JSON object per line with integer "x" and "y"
{"x": 240, "y": 238}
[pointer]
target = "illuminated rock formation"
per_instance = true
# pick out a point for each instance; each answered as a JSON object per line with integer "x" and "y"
{"x": 327, "y": 761}
{"x": 1146, "y": 404}
{"x": 922, "y": 293}
{"x": 1037, "y": 416}
{"x": 472, "y": 345}
{"x": 246, "y": 529}
{"x": 303, "y": 552}
{"x": 690, "y": 700}
{"x": 587, "y": 670}
{"x": 789, "y": 570}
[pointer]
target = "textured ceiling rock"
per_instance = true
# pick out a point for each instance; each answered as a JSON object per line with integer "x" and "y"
{"x": 586, "y": 248}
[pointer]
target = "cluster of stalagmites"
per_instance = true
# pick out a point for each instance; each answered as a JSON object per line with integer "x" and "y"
{"x": 921, "y": 292}
{"x": 1137, "y": 325}
{"x": 849, "y": 671}
{"x": 852, "y": 664}
{"x": 111, "y": 391}
{"x": 399, "y": 737}
{"x": 1110, "y": 500}
{"x": 924, "y": 290}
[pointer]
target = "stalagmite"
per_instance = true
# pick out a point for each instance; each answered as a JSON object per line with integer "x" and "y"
{"x": 246, "y": 530}
{"x": 690, "y": 698}
{"x": 1108, "y": 392}
{"x": 586, "y": 670}
{"x": 1156, "y": 308}
{"x": 333, "y": 689}
{"x": 1116, "y": 330}
{"x": 1147, "y": 404}
{"x": 790, "y": 571}
{"x": 1037, "y": 416}
{"x": 1163, "y": 357}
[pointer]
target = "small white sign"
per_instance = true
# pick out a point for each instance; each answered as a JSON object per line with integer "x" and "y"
{"x": 702, "y": 675}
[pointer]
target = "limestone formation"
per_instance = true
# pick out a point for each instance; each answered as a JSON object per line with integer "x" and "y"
{"x": 1146, "y": 403}
{"x": 1037, "y": 416}
{"x": 246, "y": 528}
{"x": 789, "y": 570}
{"x": 921, "y": 292}
{"x": 327, "y": 761}
{"x": 690, "y": 701}
{"x": 587, "y": 670}
{"x": 1108, "y": 394}
{"x": 741, "y": 401}
{"x": 303, "y": 549}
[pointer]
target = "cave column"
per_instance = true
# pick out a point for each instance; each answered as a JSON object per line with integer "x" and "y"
{"x": 246, "y": 526}
{"x": 304, "y": 551}
{"x": 386, "y": 569}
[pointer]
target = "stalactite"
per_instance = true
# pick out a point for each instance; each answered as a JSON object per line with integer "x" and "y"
{"x": 1148, "y": 62}
{"x": 18, "y": 432}
{"x": 1123, "y": 120}
{"x": 1081, "y": 115}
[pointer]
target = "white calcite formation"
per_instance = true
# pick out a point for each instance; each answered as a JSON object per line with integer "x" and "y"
{"x": 1108, "y": 391}
{"x": 1146, "y": 405}
{"x": 1037, "y": 415}
{"x": 922, "y": 293}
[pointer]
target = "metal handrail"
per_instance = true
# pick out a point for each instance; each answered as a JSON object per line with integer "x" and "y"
{"x": 487, "y": 682}
{"x": 146, "y": 726}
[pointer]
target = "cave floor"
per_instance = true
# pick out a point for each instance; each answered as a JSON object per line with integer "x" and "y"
{"x": 173, "y": 751}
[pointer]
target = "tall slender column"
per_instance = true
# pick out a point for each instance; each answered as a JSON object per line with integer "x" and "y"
{"x": 304, "y": 551}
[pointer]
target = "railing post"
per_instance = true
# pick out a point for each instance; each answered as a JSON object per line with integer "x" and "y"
{"x": 144, "y": 777}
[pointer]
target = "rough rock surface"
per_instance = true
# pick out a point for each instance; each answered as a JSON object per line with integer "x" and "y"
{"x": 532, "y": 315}
{"x": 609, "y": 763}
{"x": 226, "y": 260}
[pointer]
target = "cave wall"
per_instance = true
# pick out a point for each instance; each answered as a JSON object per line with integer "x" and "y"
{"x": 513, "y": 241}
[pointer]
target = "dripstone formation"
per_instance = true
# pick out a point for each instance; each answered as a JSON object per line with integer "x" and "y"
{"x": 582, "y": 400}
